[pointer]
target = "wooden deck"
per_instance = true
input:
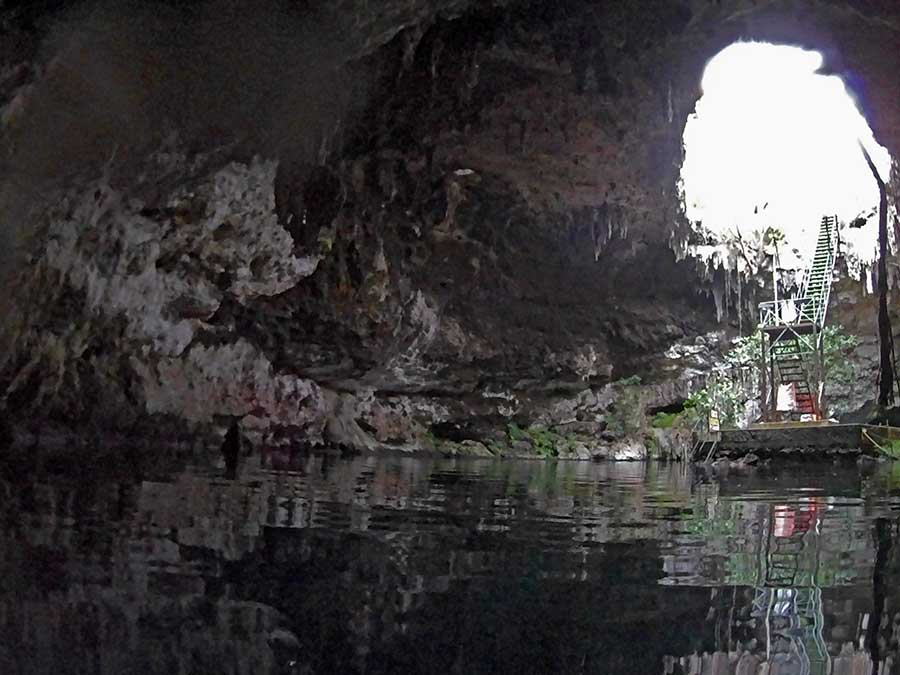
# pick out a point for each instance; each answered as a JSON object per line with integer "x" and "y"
{"x": 809, "y": 437}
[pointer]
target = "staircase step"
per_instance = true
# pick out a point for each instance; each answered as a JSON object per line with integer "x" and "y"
{"x": 794, "y": 356}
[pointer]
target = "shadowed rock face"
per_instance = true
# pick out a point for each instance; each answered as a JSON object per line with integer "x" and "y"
{"x": 466, "y": 214}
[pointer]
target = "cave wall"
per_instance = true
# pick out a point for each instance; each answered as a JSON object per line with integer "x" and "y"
{"x": 486, "y": 231}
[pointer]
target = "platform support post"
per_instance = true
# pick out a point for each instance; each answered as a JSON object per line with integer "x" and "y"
{"x": 763, "y": 384}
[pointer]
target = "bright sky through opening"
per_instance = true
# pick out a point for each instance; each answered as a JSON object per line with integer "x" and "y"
{"x": 774, "y": 144}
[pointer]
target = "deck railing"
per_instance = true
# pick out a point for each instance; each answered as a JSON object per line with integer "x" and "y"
{"x": 788, "y": 312}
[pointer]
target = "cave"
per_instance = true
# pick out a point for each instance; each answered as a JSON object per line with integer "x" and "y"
{"x": 773, "y": 144}
{"x": 373, "y": 336}
{"x": 440, "y": 214}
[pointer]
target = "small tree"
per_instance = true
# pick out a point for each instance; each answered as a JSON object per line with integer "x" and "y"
{"x": 739, "y": 373}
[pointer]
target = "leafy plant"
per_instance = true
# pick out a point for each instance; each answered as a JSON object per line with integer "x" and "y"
{"x": 723, "y": 395}
{"x": 515, "y": 432}
{"x": 729, "y": 395}
{"x": 544, "y": 441}
{"x": 496, "y": 447}
{"x": 836, "y": 347}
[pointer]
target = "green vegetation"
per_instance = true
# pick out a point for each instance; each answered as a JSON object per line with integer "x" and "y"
{"x": 838, "y": 368}
{"x": 723, "y": 395}
{"x": 626, "y": 416}
{"x": 542, "y": 441}
{"x": 496, "y": 447}
{"x": 889, "y": 447}
{"x": 729, "y": 396}
{"x": 664, "y": 420}
{"x": 545, "y": 441}
{"x": 629, "y": 381}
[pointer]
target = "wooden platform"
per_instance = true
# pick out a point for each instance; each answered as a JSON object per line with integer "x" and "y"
{"x": 807, "y": 436}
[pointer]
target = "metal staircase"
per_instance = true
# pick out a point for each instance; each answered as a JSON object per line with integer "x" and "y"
{"x": 794, "y": 328}
{"x": 816, "y": 289}
{"x": 793, "y": 358}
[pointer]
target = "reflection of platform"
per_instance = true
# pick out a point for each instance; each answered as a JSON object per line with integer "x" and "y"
{"x": 822, "y": 436}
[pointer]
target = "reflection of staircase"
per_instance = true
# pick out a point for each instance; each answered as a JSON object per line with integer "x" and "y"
{"x": 789, "y": 601}
{"x": 783, "y": 561}
{"x": 795, "y": 326}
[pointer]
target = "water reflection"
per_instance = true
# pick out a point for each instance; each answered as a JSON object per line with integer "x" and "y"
{"x": 419, "y": 565}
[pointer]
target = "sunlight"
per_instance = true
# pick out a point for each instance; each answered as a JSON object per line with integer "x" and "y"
{"x": 773, "y": 144}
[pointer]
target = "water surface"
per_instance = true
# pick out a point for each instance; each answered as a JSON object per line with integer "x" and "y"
{"x": 452, "y": 566}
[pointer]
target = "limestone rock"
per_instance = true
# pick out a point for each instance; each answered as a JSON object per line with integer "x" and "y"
{"x": 502, "y": 240}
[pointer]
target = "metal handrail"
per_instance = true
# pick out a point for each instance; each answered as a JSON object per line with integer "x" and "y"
{"x": 788, "y": 312}
{"x": 805, "y": 308}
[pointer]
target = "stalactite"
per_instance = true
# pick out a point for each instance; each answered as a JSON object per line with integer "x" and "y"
{"x": 718, "y": 299}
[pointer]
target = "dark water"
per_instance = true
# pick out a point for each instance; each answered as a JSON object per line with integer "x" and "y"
{"x": 443, "y": 566}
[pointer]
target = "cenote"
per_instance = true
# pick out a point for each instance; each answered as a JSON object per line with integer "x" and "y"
{"x": 385, "y": 565}
{"x": 449, "y": 336}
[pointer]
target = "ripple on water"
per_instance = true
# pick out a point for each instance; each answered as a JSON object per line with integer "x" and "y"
{"x": 432, "y": 565}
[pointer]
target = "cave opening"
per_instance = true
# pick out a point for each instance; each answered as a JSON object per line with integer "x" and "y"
{"x": 772, "y": 146}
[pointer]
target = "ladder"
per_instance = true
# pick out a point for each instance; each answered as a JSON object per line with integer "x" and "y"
{"x": 793, "y": 358}
{"x": 795, "y": 326}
